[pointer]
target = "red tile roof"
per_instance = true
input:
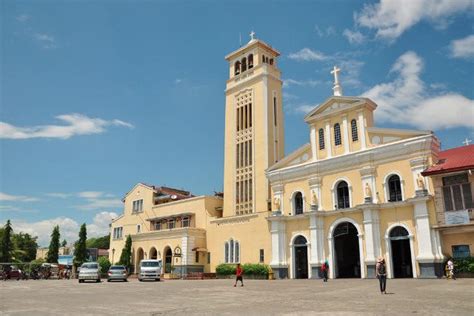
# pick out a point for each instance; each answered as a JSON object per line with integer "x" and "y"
{"x": 451, "y": 160}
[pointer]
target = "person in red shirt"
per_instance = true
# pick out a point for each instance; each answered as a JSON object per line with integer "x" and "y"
{"x": 238, "y": 275}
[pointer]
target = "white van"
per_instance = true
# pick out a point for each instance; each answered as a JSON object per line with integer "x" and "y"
{"x": 150, "y": 270}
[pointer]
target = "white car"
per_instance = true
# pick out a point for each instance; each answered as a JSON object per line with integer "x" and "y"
{"x": 89, "y": 271}
{"x": 150, "y": 270}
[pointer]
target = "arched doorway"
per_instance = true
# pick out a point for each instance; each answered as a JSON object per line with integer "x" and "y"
{"x": 401, "y": 253}
{"x": 346, "y": 248}
{"x": 153, "y": 253}
{"x": 140, "y": 255}
{"x": 168, "y": 259}
{"x": 300, "y": 251}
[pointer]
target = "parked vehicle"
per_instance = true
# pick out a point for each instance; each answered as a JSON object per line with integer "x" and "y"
{"x": 11, "y": 272}
{"x": 117, "y": 273}
{"x": 89, "y": 271}
{"x": 150, "y": 270}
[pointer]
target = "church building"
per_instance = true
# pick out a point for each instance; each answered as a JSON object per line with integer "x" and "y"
{"x": 353, "y": 193}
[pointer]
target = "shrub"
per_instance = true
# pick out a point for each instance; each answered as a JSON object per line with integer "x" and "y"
{"x": 225, "y": 269}
{"x": 104, "y": 264}
{"x": 464, "y": 265}
{"x": 249, "y": 269}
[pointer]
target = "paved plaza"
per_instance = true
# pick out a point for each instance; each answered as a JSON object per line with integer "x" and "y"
{"x": 219, "y": 297}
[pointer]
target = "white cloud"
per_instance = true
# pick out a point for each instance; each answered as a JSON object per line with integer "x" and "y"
{"x": 408, "y": 100}
{"x": 309, "y": 82}
{"x": 178, "y": 81}
{"x": 77, "y": 124}
{"x": 68, "y": 228}
{"x": 16, "y": 198}
{"x": 463, "y": 48}
{"x": 46, "y": 40}
{"x": 11, "y": 208}
{"x": 58, "y": 195}
{"x": 23, "y": 18}
{"x": 391, "y": 18}
{"x": 90, "y": 194}
{"x": 100, "y": 224}
{"x": 350, "y": 71}
{"x": 330, "y": 30}
{"x": 354, "y": 37}
{"x": 94, "y": 204}
{"x": 306, "y": 54}
{"x": 305, "y": 108}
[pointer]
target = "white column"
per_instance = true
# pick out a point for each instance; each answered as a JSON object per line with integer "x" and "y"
{"x": 332, "y": 266}
{"x": 362, "y": 135}
{"x": 363, "y": 274}
{"x": 413, "y": 259}
{"x": 346, "y": 134}
{"x": 278, "y": 233}
{"x": 314, "y": 149}
{"x": 372, "y": 235}
{"x": 317, "y": 238}
{"x": 423, "y": 231}
{"x": 328, "y": 140}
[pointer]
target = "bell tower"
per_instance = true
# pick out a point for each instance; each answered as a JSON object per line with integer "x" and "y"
{"x": 254, "y": 132}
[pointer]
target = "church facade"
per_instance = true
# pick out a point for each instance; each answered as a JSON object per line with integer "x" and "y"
{"x": 350, "y": 195}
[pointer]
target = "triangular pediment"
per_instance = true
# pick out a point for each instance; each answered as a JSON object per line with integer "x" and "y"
{"x": 335, "y": 105}
{"x": 299, "y": 156}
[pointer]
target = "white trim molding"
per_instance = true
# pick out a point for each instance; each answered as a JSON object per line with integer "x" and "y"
{"x": 334, "y": 191}
{"x": 386, "y": 188}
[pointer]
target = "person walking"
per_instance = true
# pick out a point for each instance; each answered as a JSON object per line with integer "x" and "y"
{"x": 381, "y": 274}
{"x": 238, "y": 275}
{"x": 450, "y": 266}
{"x": 324, "y": 270}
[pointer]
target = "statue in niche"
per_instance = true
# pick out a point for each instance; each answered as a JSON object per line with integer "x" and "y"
{"x": 368, "y": 191}
{"x": 421, "y": 182}
{"x": 276, "y": 203}
{"x": 314, "y": 198}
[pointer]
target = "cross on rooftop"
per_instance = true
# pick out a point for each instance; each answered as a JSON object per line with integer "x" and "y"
{"x": 252, "y": 35}
{"x": 467, "y": 141}
{"x": 337, "y": 87}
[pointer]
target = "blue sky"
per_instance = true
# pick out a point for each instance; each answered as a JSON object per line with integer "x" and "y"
{"x": 99, "y": 95}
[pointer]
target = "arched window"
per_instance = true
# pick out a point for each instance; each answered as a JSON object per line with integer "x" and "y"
{"x": 343, "y": 195}
{"x": 244, "y": 64}
{"x": 394, "y": 189}
{"x": 300, "y": 240}
{"x": 321, "y": 139}
{"x": 337, "y": 134}
{"x": 232, "y": 251}
{"x": 250, "y": 59}
{"x": 355, "y": 134}
{"x": 298, "y": 203}
{"x": 237, "y": 68}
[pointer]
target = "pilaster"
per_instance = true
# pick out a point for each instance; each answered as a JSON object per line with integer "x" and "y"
{"x": 314, "y": 149}
{"x": 327, "y": 136}
{"x": 363, "y": 140}
{"x": 316, "y": 228}
{"x": 372, "y": 239}
{"x": 278, "y": 262}
{"x": 345, "y": 130}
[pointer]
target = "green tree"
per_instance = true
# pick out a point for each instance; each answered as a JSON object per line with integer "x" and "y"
{"x": 7, "y": 244}
{"x": 64, "y": 243}
{"x": 126, "y": 255}
{"x": 80, "y": 251}
{"x": 25, "y": 247}
{"x": 100, "y": 242}
{"x": 53, "y": 251}
{"x": 104, "y": 264}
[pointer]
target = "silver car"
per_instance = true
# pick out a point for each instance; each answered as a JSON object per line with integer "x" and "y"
{"x": 117, "y": 273}
{"x": 89, "y": 271}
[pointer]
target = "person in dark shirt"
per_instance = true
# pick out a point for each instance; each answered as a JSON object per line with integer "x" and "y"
{"x": 381, "y": 274}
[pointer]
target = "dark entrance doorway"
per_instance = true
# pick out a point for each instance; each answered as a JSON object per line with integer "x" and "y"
{"x": 346, "y": 248}
{"x": 401, "y": 254}
{"x": 301, "y": 258}
{"x": 168, "y": 260}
